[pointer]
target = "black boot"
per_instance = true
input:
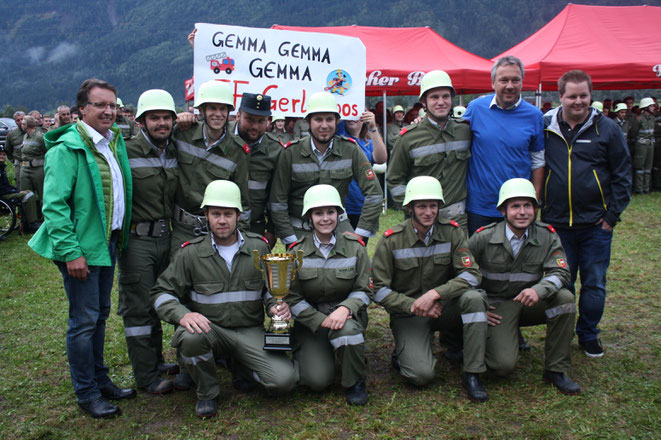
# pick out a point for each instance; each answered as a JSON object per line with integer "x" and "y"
{"x": 474, "y": 388}
{"x": 357, "y": 394}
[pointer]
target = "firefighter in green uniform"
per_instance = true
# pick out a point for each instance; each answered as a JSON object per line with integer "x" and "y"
{"x": 279, "y": 134}
{"x": 129, "y": 128}
{"x": 524, "y": 271}
{"x": 207, "y": 152}
{"x": 438, "y": 146}
{"x": 329, "y": 299}
{"x": 642, "y": 137}
{"x": 425, "y": 277}
{"x": 322, "y": 158}
{"x": 13, "y": 146}
{"x": 153, "y": 161}
{"x": 621, "y": 118}
{"x": 250, "y": 127}
{"x": 214, "y": 292}
{"x": 24, "y": 199}
{"x": 656, "y": 166}
{"x": 301, "y": 128}
{"x": 32, "y": 161}
{"x": 394, "y": 127}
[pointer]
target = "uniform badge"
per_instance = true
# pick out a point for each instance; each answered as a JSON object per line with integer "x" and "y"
{"x": 370, "y": 283}
{"x": 466, "y": 261}
{"x": 369, "y": 174}
{"x": 246, "y": 148}
{"x": 561, "y": 262}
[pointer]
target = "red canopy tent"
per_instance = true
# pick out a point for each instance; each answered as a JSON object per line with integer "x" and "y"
{"x": 397, "y": 58}
{"x": 616, "y": 45}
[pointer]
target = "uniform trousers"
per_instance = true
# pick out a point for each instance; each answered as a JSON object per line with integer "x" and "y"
{"x": 140, "y": 264}
{"x": 643, "y": 158}
{"x": 317, "y": 353}
{"x": 413, "y": 336}
{"x": 245, "y": 345}
{"x": 558, "y": 312}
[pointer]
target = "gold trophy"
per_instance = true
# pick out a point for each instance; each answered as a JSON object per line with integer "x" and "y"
{"x": 278, "y": 273}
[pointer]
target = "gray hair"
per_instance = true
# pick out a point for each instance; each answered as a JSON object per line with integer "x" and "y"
{"x": 508, "y": 60}
{"x": 18, "y": 113}
{"x": 62, "y": 107}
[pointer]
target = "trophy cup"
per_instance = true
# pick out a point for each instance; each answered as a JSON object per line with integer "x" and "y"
{"x": 278, "y": 273}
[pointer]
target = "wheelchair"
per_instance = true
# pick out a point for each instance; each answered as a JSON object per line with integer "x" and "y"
{"x": 10, "y": 217}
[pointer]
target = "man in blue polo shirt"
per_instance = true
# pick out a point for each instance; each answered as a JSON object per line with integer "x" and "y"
{"x": 508, "y": 142}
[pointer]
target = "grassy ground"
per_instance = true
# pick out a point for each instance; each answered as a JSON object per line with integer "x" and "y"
{"x": 621, "y": 398}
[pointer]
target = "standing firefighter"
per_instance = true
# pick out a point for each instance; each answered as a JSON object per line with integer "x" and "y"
{"x": 153, "y": 162}
{"x": 205, "y": 153}
{"x": 439, "y": 146}
{"x": 642, "y": 137}
{"x": 329, "y": 299}
{"x": 524, "y": 270}
{"x": 425, "y": 277}
{"x": 322, "y": 158}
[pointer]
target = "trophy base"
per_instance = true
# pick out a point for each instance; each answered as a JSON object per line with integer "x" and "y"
{"x": 277, "y": 341}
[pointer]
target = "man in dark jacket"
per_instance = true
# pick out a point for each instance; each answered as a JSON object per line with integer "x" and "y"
{"x": 587, "y": 187}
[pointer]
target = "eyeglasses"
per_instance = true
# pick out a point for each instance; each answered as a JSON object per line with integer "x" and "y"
{"x": 103, "y": 105}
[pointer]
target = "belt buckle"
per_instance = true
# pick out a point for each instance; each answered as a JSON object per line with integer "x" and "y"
{"x": 142, "y": 229}
{"x": 163, "y": 227}
{"x": 202, "y": 229}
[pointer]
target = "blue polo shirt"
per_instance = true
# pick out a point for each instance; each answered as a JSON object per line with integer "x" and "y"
{"x": 503, "y": 140}
{"x": 355, "y": 199}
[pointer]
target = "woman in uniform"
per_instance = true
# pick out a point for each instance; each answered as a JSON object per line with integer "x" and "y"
{"x": 329, "y": 299}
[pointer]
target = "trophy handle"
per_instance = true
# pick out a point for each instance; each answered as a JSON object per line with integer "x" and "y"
{"x": 255, "y": 259}
{"x": 299, "y": 259}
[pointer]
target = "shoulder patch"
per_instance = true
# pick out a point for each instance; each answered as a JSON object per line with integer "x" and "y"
{"x": 246, "y": 148}
{"x": 369, "y": 173}
{"x": 292, "y": 245}
{"x": 265, "y": 240}
{"x": 480, "y": 229}
{"x": 403, "y": 131}
{"x": 354, "y": 236}
{"x": 455, "y": 224}
{"x": 388, "y": 233}
{"x": 551, "y": 228}
{"x": 286, "y": 145}
{"x": 184, "y": 244}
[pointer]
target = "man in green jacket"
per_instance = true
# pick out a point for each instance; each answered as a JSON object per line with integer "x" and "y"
{"x": 14, "y": 145}
{"x": 214, "y": 292}
{"x": 87, "y": 215}
{"x": 524, "y": 271}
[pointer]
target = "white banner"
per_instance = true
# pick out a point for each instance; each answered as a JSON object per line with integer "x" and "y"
{"x": 288, "y": 66}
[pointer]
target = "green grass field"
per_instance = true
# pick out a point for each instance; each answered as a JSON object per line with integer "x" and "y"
{"x": 621, "y": 398}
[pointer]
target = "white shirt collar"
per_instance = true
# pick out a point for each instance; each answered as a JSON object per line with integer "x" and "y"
{"x": 509, "y": 234}
{"x": 512, "y": 107}
{"x": 95, "y": 135}
{"x": 317, "y": 152}
{"x": 427, "y": 235}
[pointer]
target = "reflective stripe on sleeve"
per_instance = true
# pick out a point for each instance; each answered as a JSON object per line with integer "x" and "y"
{"x": 469, "y": 277}
{"x": 361, "y": 296}
{"x": 422, "y": 252}
{"x": 203, "y": 154}
{"x": 568, "y": 308}
{"x": 347, "y": 340}
{"x": 164, "y": 298}
{"x": 194, "y": 360}
{"x": 553, "y": 279}
{"x": 381, "y": 294}
{"x": 226, "y": 297}
{"x": 365, "y": 232}
{"x": 298, "y": 308}
{"x": 142, "y": 330}
{"x": 470, "y": 318}
{"x": 245, "y": 215}
{"x": 374, "y": 200}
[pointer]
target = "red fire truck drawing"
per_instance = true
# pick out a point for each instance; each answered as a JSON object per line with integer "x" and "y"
{"x": 226, "y": 64}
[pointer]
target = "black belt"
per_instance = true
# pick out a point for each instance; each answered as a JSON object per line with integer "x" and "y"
{"x": 157, "y": 228}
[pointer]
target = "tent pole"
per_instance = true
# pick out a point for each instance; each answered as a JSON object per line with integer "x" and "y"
{"x": 538, "y": 96}
{"x": 385, "y": 131}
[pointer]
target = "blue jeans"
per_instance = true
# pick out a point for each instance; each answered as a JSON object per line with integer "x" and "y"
{"x": 588, "y": 254}
{"x": 89, "y": 307}
{"x": 476, "y": 221}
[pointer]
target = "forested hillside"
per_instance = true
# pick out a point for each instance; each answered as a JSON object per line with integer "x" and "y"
{"x": 49, "y": 48}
